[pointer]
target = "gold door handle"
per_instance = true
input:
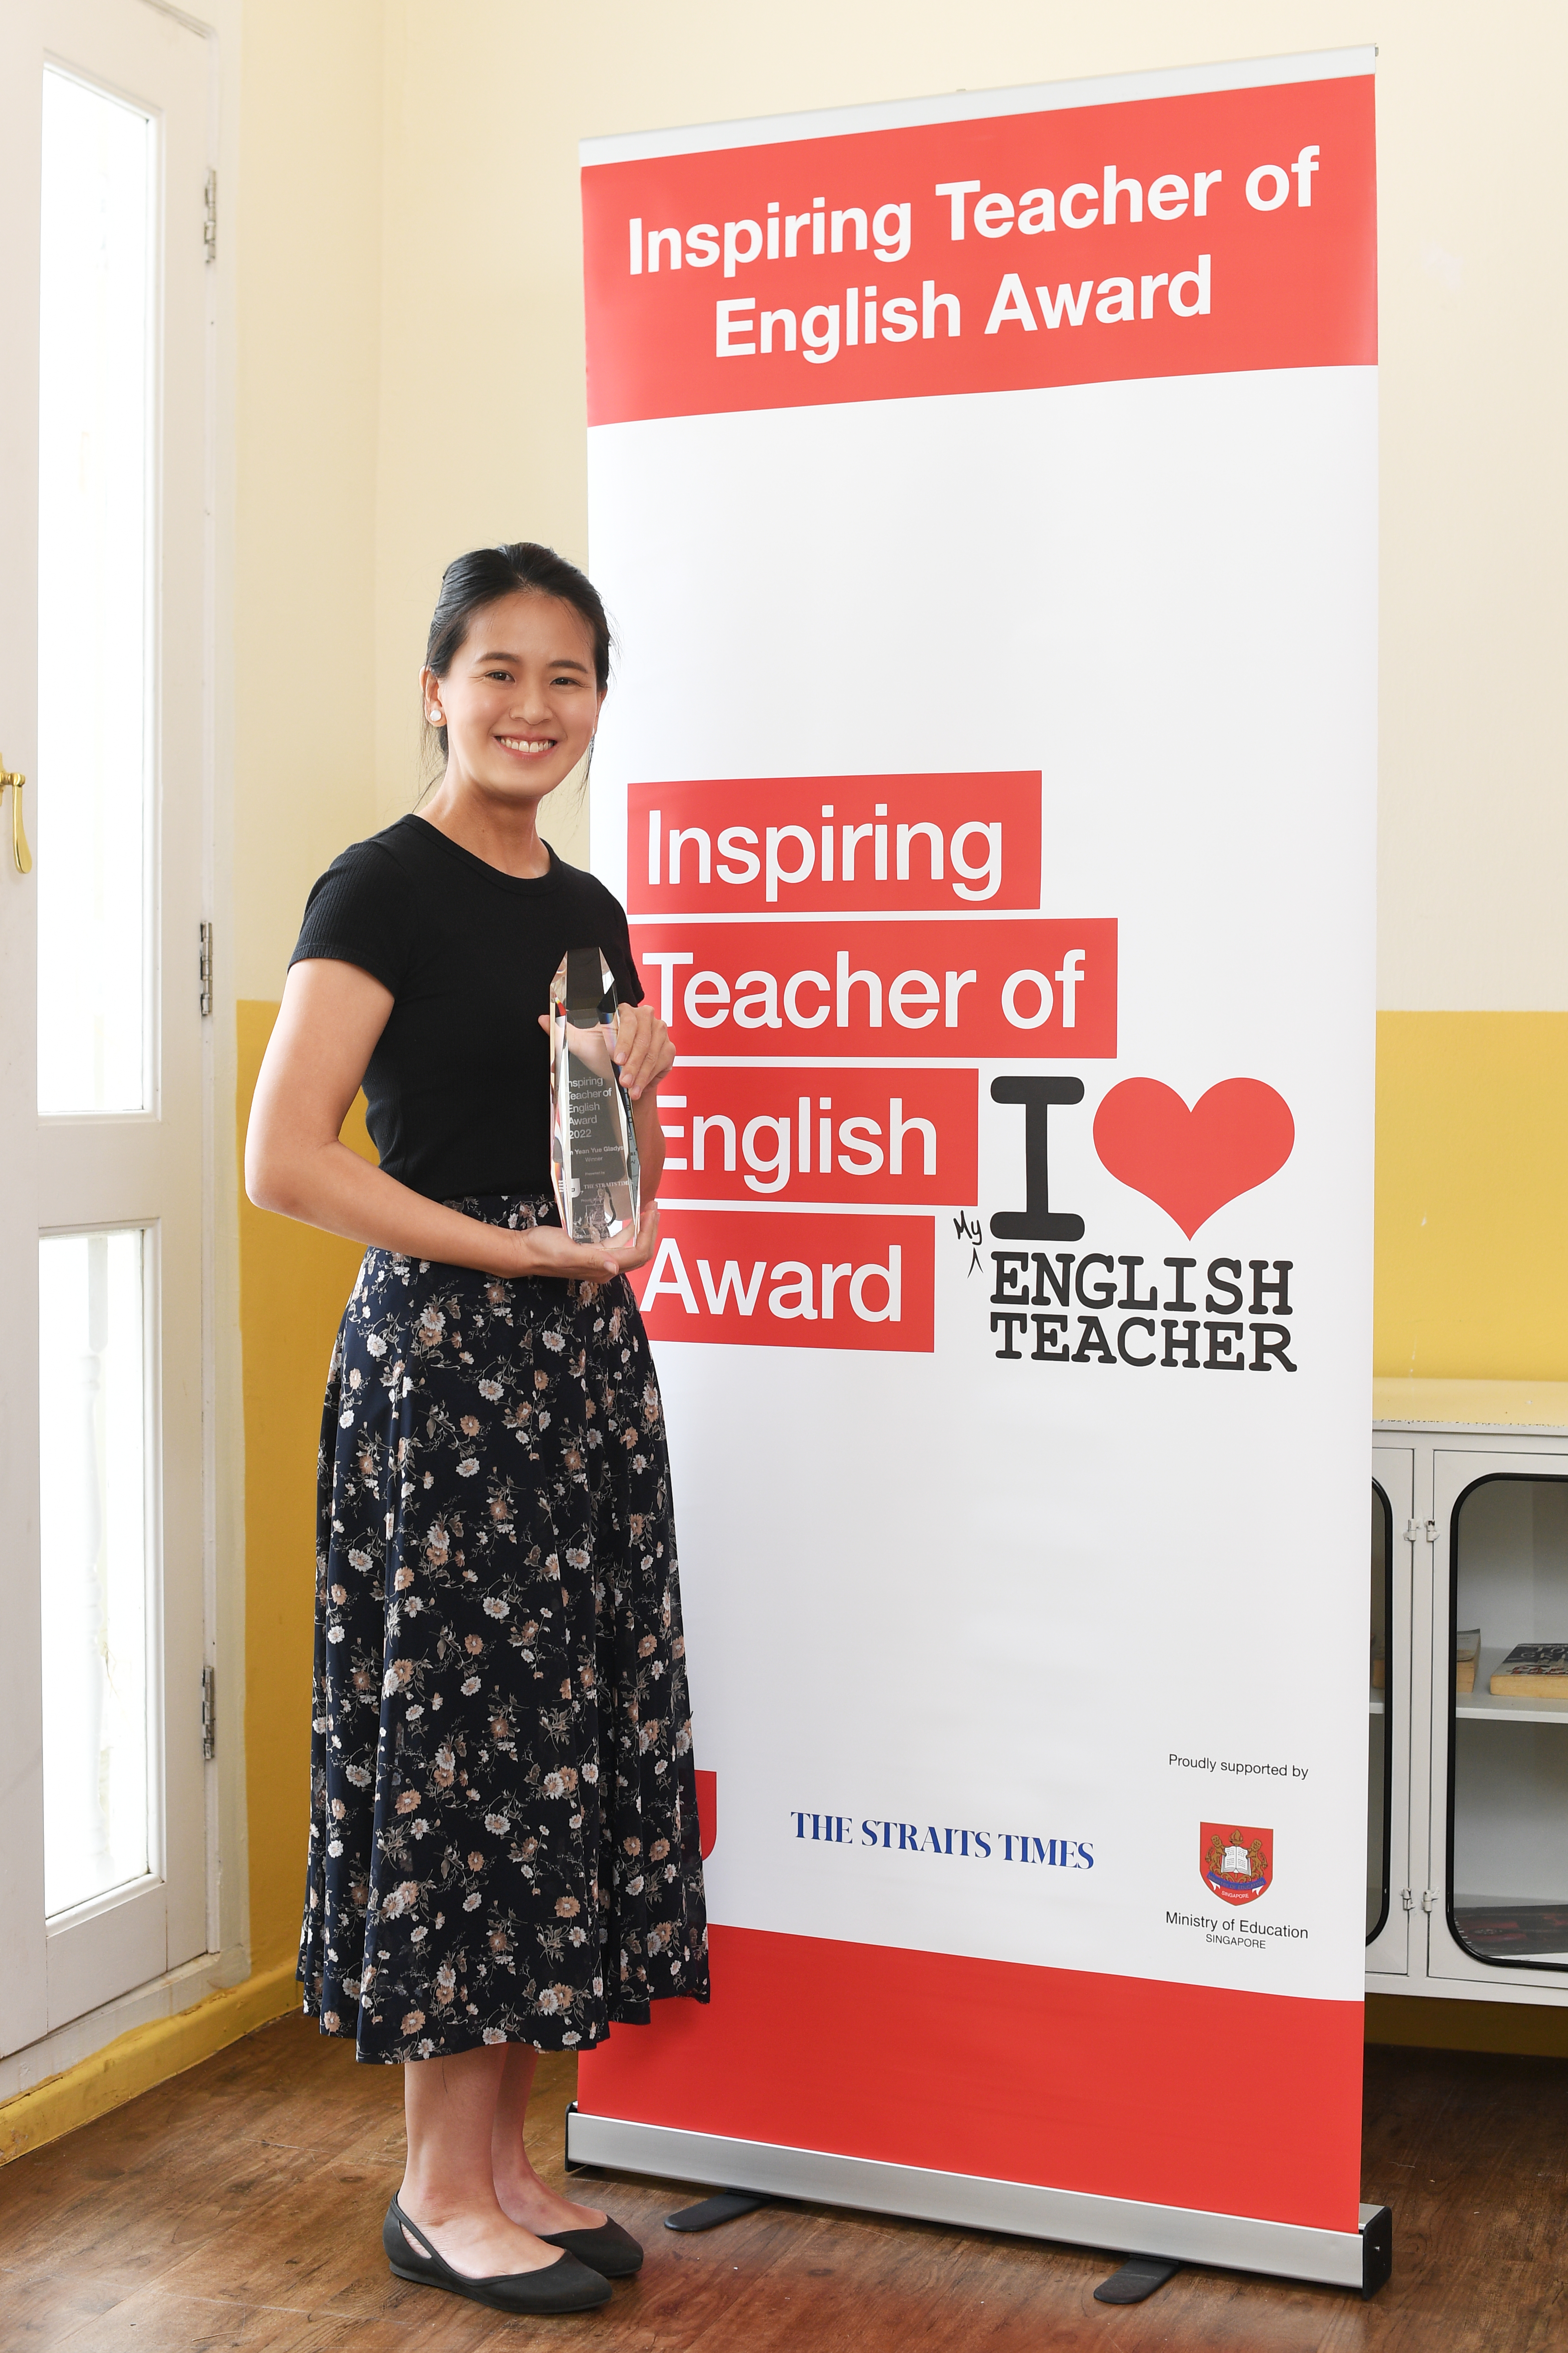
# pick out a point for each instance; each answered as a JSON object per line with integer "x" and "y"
{"x": 19, "y": 850}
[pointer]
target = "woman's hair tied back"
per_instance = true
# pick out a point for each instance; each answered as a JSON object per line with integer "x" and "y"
{"x": 516, "y": 567}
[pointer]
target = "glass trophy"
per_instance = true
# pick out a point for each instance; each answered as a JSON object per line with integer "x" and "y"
{"x": 592, "y": 1144}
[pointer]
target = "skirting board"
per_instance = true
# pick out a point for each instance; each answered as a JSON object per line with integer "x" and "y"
{"x": 1354, "y": 2259}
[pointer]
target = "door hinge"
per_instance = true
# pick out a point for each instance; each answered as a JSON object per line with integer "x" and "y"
{"x": 1407, "y": 1897}
{"x": 207, "y": 968}
{"x": 1420, "y": 1531}
{"x": 209, "y": 218}
{"x": 1429, "y": 1899}
{"x": 209, "y": 1712}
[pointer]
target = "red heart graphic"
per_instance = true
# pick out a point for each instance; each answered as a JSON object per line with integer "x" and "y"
{"x": 1193, "y": 1161}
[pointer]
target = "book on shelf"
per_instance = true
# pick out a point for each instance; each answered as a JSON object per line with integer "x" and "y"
{"x": 1467, "y": 1653}
{"x": 1533, "y": 1671}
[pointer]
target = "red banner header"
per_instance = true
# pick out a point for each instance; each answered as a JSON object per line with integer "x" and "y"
{"x": 1183, "y": 235}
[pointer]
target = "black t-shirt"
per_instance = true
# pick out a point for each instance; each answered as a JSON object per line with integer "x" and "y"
{"x": 457, "y": 1091}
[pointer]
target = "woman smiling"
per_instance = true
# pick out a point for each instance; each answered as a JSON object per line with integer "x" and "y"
{"x": 504, "y": 1848}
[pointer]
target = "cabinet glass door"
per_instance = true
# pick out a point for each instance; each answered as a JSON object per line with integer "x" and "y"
{"x": 1503, "y": 1746}
{"x": 1388, "y": 1713}
{"x": 1380, "y": 1716}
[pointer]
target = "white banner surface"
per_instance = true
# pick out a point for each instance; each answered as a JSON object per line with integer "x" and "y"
{"x": 985, "y": 503}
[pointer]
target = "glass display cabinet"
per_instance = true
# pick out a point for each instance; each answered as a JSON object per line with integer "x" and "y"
{"x": 1467, "y": 1893}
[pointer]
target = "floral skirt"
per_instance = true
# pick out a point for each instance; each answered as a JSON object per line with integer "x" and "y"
{"x": 503, "y": 1832}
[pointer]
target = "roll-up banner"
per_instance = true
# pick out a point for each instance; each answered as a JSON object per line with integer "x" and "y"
{"x": 984, "y": 491}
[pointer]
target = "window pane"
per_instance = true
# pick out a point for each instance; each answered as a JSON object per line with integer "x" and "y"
{"x": 95, "y": 637}
{"x": 93, "y": 1415}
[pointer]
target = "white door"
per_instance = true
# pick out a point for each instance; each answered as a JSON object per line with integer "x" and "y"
{"x": 1389, "y": 1716}
{"x": 103, "y": 105}
{"x": 1498, "y": 1837}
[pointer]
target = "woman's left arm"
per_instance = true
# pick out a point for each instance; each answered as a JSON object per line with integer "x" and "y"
{"x": 646, "y": 1053}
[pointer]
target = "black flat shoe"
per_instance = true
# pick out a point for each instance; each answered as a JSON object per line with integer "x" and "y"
{"x": 565, "y": 2285}
{"x": 611, "y": 2252}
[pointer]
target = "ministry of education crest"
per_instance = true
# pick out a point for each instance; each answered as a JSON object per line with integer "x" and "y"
{"x": 1235, "y": 1865}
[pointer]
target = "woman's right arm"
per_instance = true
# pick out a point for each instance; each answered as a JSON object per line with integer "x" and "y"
{"x": 324, "y": 1036}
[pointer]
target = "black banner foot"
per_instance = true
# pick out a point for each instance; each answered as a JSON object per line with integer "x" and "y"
{"x": 1376, "y": 2253}
{"x": 711, "y": 2211}
{"x": 1139, "y": 2277}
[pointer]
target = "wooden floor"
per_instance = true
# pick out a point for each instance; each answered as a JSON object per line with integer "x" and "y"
{"x": 241, "y": 2205}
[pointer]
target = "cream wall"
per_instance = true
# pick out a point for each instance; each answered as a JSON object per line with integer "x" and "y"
{"x": 300, "y": 226}
{"x": 482, "y": 413}
{"x": 410, "y": 383}
{"x": 306, "y": 222}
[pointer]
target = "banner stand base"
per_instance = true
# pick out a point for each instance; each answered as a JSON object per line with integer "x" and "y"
{"x": 711, "y": 2212}
{"x": 1141, "y": 2277}
{"x": 1362, "y": 2259}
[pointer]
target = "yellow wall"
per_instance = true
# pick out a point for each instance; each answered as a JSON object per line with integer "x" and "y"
{"x": 1472, "y": 1183}
{"x": 293, "y": 1283}
{"x": 1472, "y": 1283}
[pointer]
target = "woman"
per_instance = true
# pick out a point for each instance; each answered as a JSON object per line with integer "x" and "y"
{"x": 504, "y": 1848}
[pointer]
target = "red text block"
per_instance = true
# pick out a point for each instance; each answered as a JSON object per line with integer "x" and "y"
{"x": 811, "y": 845}
{"x": 773, "y": 1280}
{"x": 1041, "y": 988}
{"x": 1191, "y": 235}
{"x": 839, "y": 1135}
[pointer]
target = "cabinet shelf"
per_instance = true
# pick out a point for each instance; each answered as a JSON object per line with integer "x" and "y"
{"x": 1482, "y": 1704}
